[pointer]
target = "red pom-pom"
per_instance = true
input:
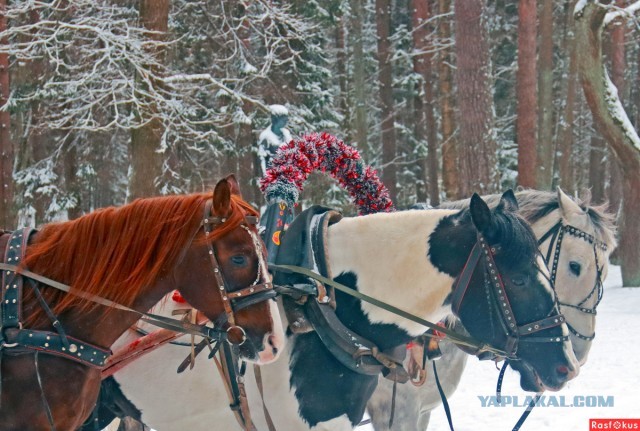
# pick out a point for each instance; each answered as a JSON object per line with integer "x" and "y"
{"x": 177, "y": 297}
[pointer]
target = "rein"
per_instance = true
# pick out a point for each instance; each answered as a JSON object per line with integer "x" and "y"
{"x": 453, "y": 336}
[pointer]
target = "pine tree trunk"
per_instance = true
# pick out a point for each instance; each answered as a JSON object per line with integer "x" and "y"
{"x": 6, "y": 144}
{"x": 341, "y": 68}
{"x": 597, "y": 168}
{"x": 360, "y": 125}
{"x": 70, "y": 168}
{"x": 565, "y": 134}
{"x": 545, "y": 148}
{"x": 612, "y": 122}
{"x": 146, "y": 162}
{"x": 445, "y": 84}
{"x": 246, "y": 179}
{"x": 425, "y": 116}
{"x": 387, "y": 109}
{"x": 477, "y": 146}
{"x": 526, "y": 120}
{"x": 618, "y": 66}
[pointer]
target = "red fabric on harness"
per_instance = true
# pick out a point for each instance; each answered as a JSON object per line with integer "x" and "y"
{"x": 177, "y": 297}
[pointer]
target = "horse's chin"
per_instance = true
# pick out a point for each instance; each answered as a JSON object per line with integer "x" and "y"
{"x": 529, "y": 380}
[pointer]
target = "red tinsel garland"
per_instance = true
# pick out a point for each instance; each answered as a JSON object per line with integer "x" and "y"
{"x": 294, "y": 161}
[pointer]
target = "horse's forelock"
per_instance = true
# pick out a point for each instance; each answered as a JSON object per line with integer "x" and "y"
{"x": 516, "y": 238}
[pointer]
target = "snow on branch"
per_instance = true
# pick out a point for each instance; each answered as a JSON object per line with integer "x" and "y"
{"x": 99, "y": 71}
{"x": 626, "y": 12}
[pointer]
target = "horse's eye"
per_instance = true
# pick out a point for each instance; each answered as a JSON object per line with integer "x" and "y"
{"x": 238, "y": 260}
{"x": 575, "y": 267}
{"x": 519, "y": 280}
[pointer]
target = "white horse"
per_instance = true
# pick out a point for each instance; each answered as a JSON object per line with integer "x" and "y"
{"x": 407, "y": 259}
{"x": 582, "y": 267}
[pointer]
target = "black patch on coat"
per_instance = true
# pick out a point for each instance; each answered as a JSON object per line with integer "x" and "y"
{"x": 451, "y": 242}
{"x": 325, "y": 388}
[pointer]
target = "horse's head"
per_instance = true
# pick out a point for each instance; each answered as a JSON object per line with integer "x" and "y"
{"x": 577, "y": 239}
{"x": 509, "y": 301}
{"x": 234, "y": 290}
{"x": 582, "y": 264}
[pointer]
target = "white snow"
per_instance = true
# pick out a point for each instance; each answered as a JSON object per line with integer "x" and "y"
{"x": 278, "y": 110}
{"x": 611, "y": 370}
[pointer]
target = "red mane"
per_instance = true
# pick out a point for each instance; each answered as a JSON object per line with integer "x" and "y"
{"x": 116, "y": 252}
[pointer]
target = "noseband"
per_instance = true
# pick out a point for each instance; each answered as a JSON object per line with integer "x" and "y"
{"x": 555, "y": 245}
{"x": 259, "y": 291}
{"x": 499, "y": 301}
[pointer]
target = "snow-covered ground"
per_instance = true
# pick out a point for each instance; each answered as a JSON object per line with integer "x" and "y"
{"x": 611, "y": 371}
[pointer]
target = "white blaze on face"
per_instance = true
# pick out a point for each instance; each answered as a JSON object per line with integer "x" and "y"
{"x": 275, "y": 341}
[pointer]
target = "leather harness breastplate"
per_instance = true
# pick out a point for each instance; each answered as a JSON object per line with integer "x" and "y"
{"x": 14, "y": 339}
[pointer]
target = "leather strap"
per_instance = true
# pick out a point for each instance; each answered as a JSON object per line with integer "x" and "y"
{"x": 453, "y": 336}
{"x": 257, "y": 372}
{"x": 12, "y": 282}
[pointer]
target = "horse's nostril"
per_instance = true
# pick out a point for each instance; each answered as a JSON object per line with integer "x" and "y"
{"x": 562, "y": 370}
{"x": 272, "y": 342}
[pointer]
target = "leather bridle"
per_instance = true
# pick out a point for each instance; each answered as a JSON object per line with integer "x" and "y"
{"x": 260, "y": 290}
{"x": 557, "y": 233}
{"x": 499, "y": 301}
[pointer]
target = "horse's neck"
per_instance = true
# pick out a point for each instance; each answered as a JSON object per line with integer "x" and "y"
{"x": 104, "y": 330}
{"x": 389, "y": 256}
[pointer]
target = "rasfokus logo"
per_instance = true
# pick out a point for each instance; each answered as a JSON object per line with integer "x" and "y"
{"x": 614, "y": 424}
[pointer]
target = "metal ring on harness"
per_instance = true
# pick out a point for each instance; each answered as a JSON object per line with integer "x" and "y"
{"x": 243, "y": 335}
{"x": 4, "y": 344}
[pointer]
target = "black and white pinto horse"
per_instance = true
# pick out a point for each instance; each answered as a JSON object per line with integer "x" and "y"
{"x": 582, "y": 265}
{"x": 407, "y": 259}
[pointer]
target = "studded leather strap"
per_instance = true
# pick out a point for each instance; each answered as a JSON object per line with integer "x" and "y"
{"x": 52, "y": 344}
{"x": 16, "y": 339}
{"x": 11, "y": 282}
{"x": 265, "y": 289}
{"x": 514, "y": 333}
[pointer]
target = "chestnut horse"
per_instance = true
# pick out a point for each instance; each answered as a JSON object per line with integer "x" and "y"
{"x": 204, "y": 246}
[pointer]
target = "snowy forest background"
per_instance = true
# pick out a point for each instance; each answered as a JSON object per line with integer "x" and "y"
{"x": 104, "y": 101}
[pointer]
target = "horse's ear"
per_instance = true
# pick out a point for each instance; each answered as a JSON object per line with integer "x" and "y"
{"x": 508, "y": 201}
{"x": 222, "y": 198}
{"x": 569, "y": 208}
{"x": 233, "y": 183}
{"x": 480, "y": 214}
